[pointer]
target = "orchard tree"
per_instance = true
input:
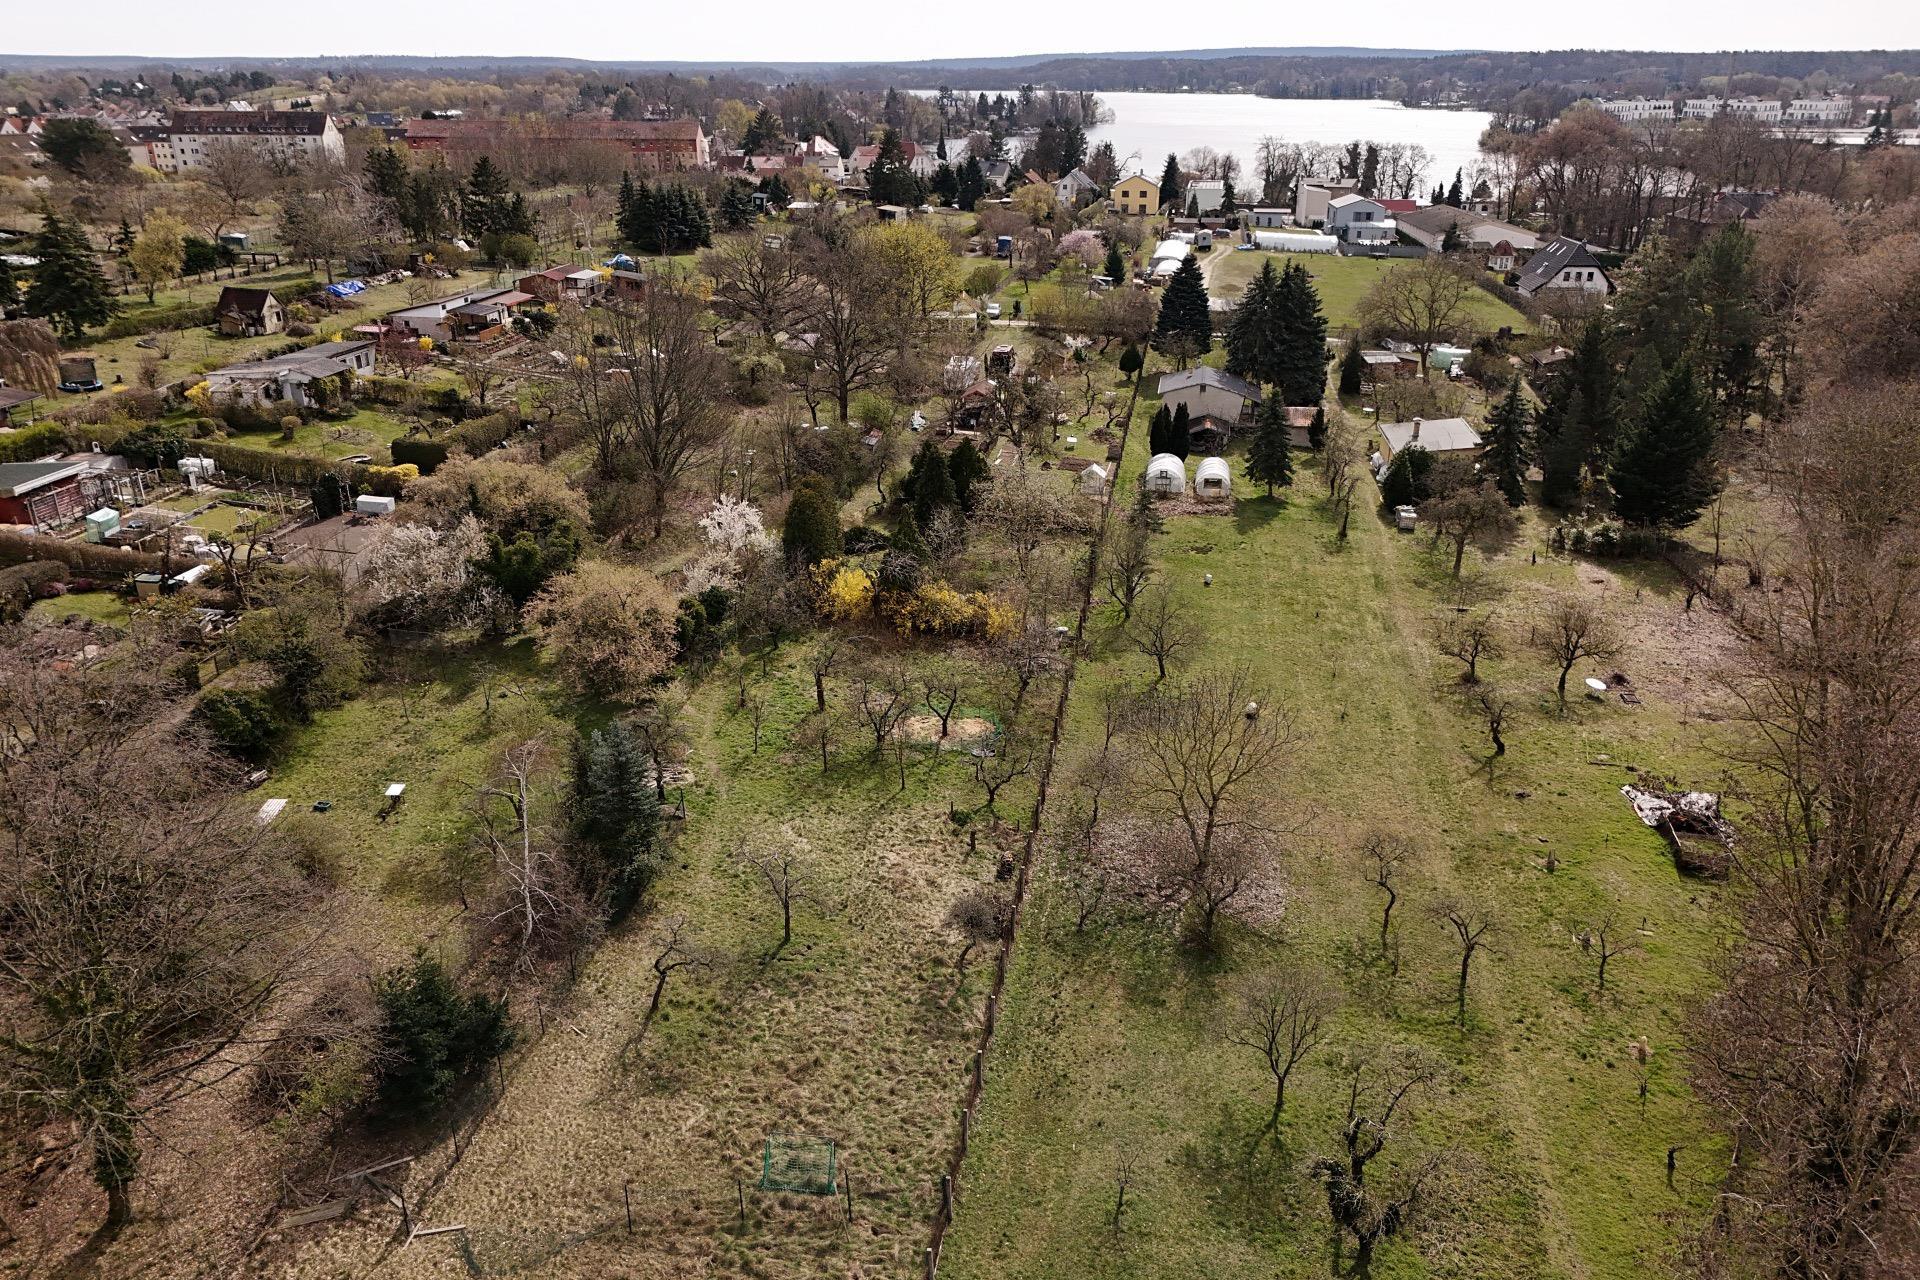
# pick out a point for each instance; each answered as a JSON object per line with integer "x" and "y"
{"x": 158, "y": 252}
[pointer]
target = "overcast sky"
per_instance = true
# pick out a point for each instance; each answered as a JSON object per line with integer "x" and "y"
{"x": 886, "y": 30}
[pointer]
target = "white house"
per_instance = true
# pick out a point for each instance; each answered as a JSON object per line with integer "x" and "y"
{"x": 1311, "y": 200}
{"x": 1759, "y": 110}
{"x": 1270, "y": 216}
{"x": 1212, "y": 479}
{"x": 1166, "y": 476}
{"x": 290, "y": 379}
{"x": 1565, "y": 263}
{"x": 288, "y": 137}
{"x": 1819, "y": 111}
{"x": 1632, "y": 110}
{"x": 1075, "y": 188}
{"x": 1206, "y": 195}
{"x": 1358, "y": 220}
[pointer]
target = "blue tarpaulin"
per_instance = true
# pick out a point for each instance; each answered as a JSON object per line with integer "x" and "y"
{"x": 347, "y": 288}
{"x": 620, "y": 262}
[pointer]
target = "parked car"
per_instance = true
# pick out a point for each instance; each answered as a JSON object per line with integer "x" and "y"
{"x": 993, "y": 311}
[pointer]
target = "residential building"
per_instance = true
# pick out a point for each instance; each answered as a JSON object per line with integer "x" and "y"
{"x": 1207, "y": 194}
{"x": 1438, "y": 436}
{"x": 1359, "y": 220}
{"x": 1829, "y": 110}
{"x": 561, "y": 284}
{"x": 479, "y": 310}
{"x": 150, "y": 147}
{"x": 248, "y": 313}
{"x": 1136, "y": 196}
{"x": 1501, "y": 257}
{"x": 287, "y": 137}
{"x": 1428, "y": 225}
{"x": 1634, "y": 110}
{"x": 1311, "y": 199}
{"x": 290, "y": 379}
{"x": 1209, "y": 393}
{"x": 1270, "y": 216}
{"x": 1075, "y": 188}
{"x": 1758, "y": 110}
{"x": 920, "y": 160}
{"x": 1565, "y": 263}
{"x": 659, "y": 146}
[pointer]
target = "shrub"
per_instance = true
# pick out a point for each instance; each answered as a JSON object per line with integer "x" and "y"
{"x": 22, "y": 584}
{"x": 290, "y": 426}
{"x": 479, "y": 436}
{"x": 419, "y": 452}
{"x": 391, "y": 482}
{"x": 242, "y": 722}
{"x": 30, "y": 442}
{"x": 158, "y": 444}
{"x": 19, "y": 548}
{"x": 432, "y": 1035}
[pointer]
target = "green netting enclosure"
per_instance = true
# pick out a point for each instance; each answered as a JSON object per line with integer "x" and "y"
{"x": 798, "y": 1164}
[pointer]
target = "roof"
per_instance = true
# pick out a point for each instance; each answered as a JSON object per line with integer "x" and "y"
{"x": 14, "y": 397}
{"x": 1396, "y": 206}
{"x": 1207, "y": 376}
{"x": 17, "y": 478}
{"x": 1211, "y": 466}
{"x": 1562, "y": 253}
{"x": 1434, "y": 219}
{"x": 1437, "y": 435}
{"x": 249, "y": 301}
{"x": 1349, "y": 200}
{"x": 249, "y": 123}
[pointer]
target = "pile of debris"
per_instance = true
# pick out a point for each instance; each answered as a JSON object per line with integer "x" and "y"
{"x": 1702, "y": 840}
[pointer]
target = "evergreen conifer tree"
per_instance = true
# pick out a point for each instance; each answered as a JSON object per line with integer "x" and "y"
{"x": 1170, "y": 185}
{"x": 1178, "y": 442}
{"x": 1353, "y": 369}
{"x": 1663, "y": 473}
{"x": 1160, "y": 432}
{"x": 1300, "y": 366}
{"x": 68, "y": 289}
{"x": 812, "y": 529}
{"x": 1508, "y": 447}
{"x": 1116, "y": 267}
{"x": 1132, "y": 361}
{"x": 1254, "y": 331}
{"x": 1185, "y": 324}
{"x": 932, "y": 488}
{"x": 1317, "y": 429}
{"x": 1270, "y": 459}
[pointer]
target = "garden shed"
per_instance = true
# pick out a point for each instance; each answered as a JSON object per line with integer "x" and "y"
{"x": 1212, "y": 479}
{"x": 1166, "y": 476}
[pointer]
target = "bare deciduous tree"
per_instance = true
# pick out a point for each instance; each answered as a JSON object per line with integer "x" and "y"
{"x": 1378, "y": 1086}
{"x": 1281, "y": 1015}
{"x": 537, "y": 898}
{"x": 1571, "y": 628}
{"x": 1013, "y": 756}
{"x": 1494, "y": 708}
{"x": 782, "y": 864}
{"x": 677, "y": 950}
{"x": 151, "y": 930}
{"x": 1467, "y": 638}
{"x": 1605, "y": 942}
{"x": 1129, "y": 565}
{"x": 1160, "y": 629}
{"x": 1384, "y": 856}
{"x": 1470, "y": 923}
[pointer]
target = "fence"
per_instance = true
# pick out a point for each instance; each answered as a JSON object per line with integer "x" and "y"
{"x": 1023, "y": 874}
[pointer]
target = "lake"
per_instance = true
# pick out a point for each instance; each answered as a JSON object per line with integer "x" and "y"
{"x": 1148, "y": 126}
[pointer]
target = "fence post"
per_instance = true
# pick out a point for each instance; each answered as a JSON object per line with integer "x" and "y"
{"x": 946, "y": 1195}
{"x": 966, "y": 1129}
{"x": 930, "y": 1263}
{"x": 846, "y": 1184}
{"x": 740, "y": 1190}
{"x": 626, "y": 1194}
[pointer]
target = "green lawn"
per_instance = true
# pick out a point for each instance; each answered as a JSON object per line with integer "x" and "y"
{"x": 1342, "y": 283}
{"x": 369, "y": 430}
{"x": 1112, "y": 1041}
{"x": 109, "y": 607}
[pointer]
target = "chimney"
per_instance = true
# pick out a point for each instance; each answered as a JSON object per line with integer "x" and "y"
{"x": 1416, "y": 428}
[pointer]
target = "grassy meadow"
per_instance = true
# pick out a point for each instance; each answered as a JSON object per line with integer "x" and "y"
{"x": 1342, "y": 283}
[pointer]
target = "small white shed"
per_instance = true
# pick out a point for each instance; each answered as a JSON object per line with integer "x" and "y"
{"x": 1166, "y": 476}
{"x": 1093, "y": 481}
{"x": 1212, "y": 479}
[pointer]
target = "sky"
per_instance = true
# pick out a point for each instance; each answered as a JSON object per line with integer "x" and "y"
{"x": 887, "y": 30}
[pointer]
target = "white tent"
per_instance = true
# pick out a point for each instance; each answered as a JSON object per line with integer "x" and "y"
{"x": 1296, "y": 241}
{"x": 1093, "y": 480}
{"x": 1166, "y": 476}
{"x": 1212, "y": 479}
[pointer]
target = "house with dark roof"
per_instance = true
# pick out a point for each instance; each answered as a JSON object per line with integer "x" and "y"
{"x": 249, "y": 313}
{"x": 1564, "y": 264}
{"x": 290, "y": 379}
{"x": 1429, "y": 225}
{"x": 1209, "y": 393}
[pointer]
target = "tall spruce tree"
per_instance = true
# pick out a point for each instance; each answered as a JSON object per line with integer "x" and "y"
{"x": 617, "y": 815}
{"x": 1664, "y": 472}
{"x": 1253, "y": 336}
{"x": 1301, "y": 368}
{"x": 1170, "y": 185}
{"x": 1184, "y": 328}
{"x": 484, "y": 201}
{"x": 1353, "y": 369}
{"x": 1270, "y": 459}
{"x": 889, "y": 179}
{"x": 1508, "y": 444}
{"x": 973, "y": 184}
{"x": 1179, "y": 435}
{"x": 1721, "y": 279}
{"x": 68, "y": 289}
